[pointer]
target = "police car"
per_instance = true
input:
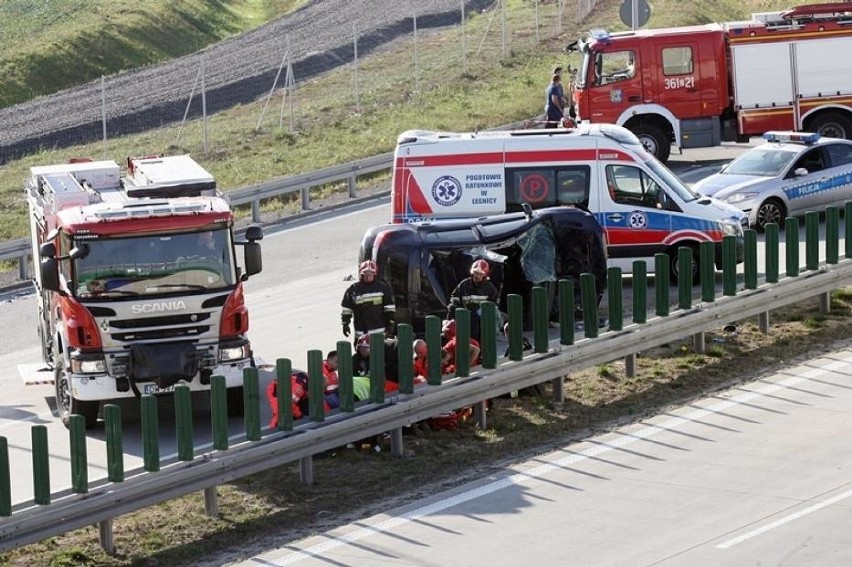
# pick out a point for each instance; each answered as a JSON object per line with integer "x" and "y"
{"x": 788, "y": 175}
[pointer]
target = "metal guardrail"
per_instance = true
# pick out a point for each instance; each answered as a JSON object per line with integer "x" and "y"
{"x": 254, "y": 195}
{"x": 33, "y": 523}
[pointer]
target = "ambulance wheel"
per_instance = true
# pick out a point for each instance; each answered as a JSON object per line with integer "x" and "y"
{"x": 235, "y": 401}
{"x": 654, "y": 140}
{"x": 67, "y": 405}
{"x": 771, "y": 210}
{"x": 832, "y": 125}
{"x": 696, "y": 268}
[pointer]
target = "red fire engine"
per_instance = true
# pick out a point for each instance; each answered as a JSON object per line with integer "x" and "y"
{"x": 697, "y": 86}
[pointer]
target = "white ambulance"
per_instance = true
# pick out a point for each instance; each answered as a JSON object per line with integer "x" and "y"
{"x": 643, "y": 207}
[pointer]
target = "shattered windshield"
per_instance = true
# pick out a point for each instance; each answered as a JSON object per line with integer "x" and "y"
{"x": 155, "y": 265}
{"x": 538, "y": 254}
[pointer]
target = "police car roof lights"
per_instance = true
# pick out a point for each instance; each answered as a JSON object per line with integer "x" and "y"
{"x": 807, "y": 138}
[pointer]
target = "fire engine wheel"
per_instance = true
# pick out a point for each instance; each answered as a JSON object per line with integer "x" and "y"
{"x": 235, "y": 401}
{"x": 832, "y": 125}
{"x": 654, "y": 140}
{"x": 66, "y": 405}
{"x": 771, "y": 210}
{"x": 675, "y": 272}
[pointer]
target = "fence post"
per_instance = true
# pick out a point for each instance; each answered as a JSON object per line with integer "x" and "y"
{"x": 183, "y": 422}
{"x": 284, "y": 392}
{"x": 684, "y": 277}
{"x": 706, "y": 251}
{"x": 219, "y": 412}
{"x": 5, "y": 479}
{"x": 566, "y": 312}
{"x": 540, "y": 318}
{"x": 812, "y": 240}
{"x": 251, "y": 403}
{"x": 488, "y": 334}
{"x": 41, "y": 465}
{"x": 150, "y": 433}
{"x": 791, "y": 235}
{"x": 114, "y": 443}
{"x": 847, "y": 217}
{"x": 345, "y": 387}
{"x": 729, "y": 265}
{"x": 79, "y": 459}
{"x": 589, "y": 294}
{"x": 515, "y": 306}
{"x": 614, "y": 296}
{"x": 640, "y": 291}
{"x": 750, "y": 260}
{"x": 377, "y": 367}
{"x": 316, "y": 385}
{"x": 772, "y": 253}
{"x": 433, "y": 350}
{"x": 661, "y": 283}
{"x": 405, "y": 357}
{"x": 462, "y": 354}
{"x": 832, "y": 227}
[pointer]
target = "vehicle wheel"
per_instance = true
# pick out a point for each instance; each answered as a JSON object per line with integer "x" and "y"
{"x": 235, "y": 401}
{"x": 771, "y": 210}
{"x": 66, "y": 405}
{"x": 696, "y": 267}
{"x": 654, "y": 140}
{"x": 832, "y": 125}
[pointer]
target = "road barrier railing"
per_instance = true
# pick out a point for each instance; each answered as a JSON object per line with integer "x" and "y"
{"x": 205, "y": 468}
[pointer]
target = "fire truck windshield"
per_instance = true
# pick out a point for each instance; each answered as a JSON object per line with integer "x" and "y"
{"x": 155, "y": 265}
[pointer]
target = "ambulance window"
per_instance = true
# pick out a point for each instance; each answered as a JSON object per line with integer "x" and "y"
{"x": 573, "y": 186}
{"x": 533, "y": 186}
{"x": 629, "y": 185}
{"x": 677, "y": 60}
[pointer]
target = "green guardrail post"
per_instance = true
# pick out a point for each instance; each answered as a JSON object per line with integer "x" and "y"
{"x": 640, "y": 291}
{"x": 707, "y": 254}
{"x": 540, "y": 318}
{"x": 750, "y": 259}
{"x": 183, "y": 422}
{"x": 377, "y": 367}
{"x": 566, "y": 312}
{"x": 847, "y": 217}
{"x": 345, "y": 387}
{"x": 462, "y": 355}
{"x": 433, "y": 350}
{"x": 772, "y": 252}
{"x": 661, "y": 283}
{"x": 219, "y": 412}
{"x": 284, "y": 392}
{"x": 316, "y": 385}
{"x": 79, "y": 458}
{"x": 589, "y": 294}
{"x": 405, "y": 357}
{"x": 812, "y": 240}
{"x": 832, "y": 229}
{"x": 251, "y": 403}
{"x": 5, "y": 479}
{"x": 41, "y": 465}
{"x": 791, "y": 236}
{"x": 488, "y": 342}
{"x": 684, "y": 277}
{"x": 729, "y": 265}
{"x": 114, "y": 443}
{"x": 614, "y": 290}
{"x": 515, "y": 307}
{"x": 150, "y": 433}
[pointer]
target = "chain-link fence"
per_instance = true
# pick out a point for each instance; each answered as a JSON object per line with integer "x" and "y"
{"x": 269, "y": 65}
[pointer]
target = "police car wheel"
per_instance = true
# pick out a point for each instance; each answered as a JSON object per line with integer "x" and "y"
{"x": 771, "y": 210}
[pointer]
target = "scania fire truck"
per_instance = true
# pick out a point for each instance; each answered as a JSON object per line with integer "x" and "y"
{"x": 138, "y": 284}
{"x": 697, "y": 86}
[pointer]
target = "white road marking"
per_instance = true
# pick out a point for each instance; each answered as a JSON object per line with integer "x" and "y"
{"x": 32, "y": 352}
{"x": 786, "y": 520}
{"x": 386, "y": 525}
{"x": 35, "y": 374}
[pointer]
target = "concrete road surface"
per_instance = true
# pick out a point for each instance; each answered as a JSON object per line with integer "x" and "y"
{"x": 758, "y": 475}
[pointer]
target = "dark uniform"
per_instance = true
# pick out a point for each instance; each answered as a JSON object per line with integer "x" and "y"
{"x": 371, "y": 304}
{"x": 470, "y": 294}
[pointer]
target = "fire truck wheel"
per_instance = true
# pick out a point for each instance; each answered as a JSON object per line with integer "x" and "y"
{"x": 675, "y": 272}
{"x": 771, "y": 210}
{"x": 66, "y": 405}
{"x": 654, "y": 140}
{"x": 832, "y": 125}
{"x": 235, "y": 401}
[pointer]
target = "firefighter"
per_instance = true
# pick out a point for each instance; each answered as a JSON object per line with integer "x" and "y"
{"x": 471, "y": 292}
{"x": 448, "y": 333}
{"x": 370, "y": 302}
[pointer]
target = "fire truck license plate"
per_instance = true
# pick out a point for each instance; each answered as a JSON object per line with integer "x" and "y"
{"x": 154, "y": 389}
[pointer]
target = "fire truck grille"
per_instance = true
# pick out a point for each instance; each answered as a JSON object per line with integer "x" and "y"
{"x": 183, "y": 319}
{"x": 161, "y": 333}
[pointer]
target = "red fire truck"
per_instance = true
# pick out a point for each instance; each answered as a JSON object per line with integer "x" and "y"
{"x": 138, "y": 285}
{"x": 697, "y": 86}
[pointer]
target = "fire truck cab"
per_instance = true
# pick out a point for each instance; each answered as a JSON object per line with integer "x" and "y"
{"x": 138, "y": 283}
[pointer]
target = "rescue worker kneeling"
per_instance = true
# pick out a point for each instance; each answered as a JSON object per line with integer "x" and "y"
{"x": 299, "y": 402}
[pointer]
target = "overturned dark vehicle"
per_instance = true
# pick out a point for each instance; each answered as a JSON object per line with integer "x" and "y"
{"x": 424, "y": 262}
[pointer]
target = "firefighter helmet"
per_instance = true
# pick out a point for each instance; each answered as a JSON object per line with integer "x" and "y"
{"x": 367, "y": 267}
{"x": 363, "y": 341}
{"x": 448, "y": 329}
{"x": 480, "y": 267}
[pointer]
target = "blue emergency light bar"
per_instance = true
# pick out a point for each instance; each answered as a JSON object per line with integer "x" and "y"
{"x": 807, "y": 138}
{"x": 599, "y": 34}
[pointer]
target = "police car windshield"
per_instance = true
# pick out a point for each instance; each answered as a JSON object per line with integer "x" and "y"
{"x": 154, "y": 265}
{"x": 761, "y": 161}
{"x": 672, "y": 181}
